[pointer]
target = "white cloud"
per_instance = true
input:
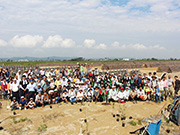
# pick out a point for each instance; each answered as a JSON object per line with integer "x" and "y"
{"x": 57, "y": 41}
{"x": 27, "y": 41}
{"x": 3, "y": 43}
{"x": 101, "y": 46}
{"x": 53, "y": 41}
{"x": 116, "y": 45}
{"x": 67, "y": 43}
{"x": 89, "y": 43}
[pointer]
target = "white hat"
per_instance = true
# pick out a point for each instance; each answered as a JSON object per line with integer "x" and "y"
{"x": 51, "y": 91}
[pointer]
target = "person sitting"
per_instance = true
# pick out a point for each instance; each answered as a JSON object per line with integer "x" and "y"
{"x": 85, "y": 94}
{"x": 148, "y": 92}
{"x": 52, "y": 97}
{"x": 46, "y": 99}
{"x": 22, "y": 103}
{"x": 31, "y": 104}
{"x": 14, "y": 104}
{"x": 127, "y": 91}
{"x": 65, "y": 97}
{"x": 121, "y": 95}
{"x": 80, "y": 96}
{"x": 72, "y": 96}
{"x": 39, "y": 100}
{"x": 90, "y": 95}
{"x": 113, "y": 94}
{"x": 133, "y": 95}
{"x": 56, "y": 96}
{"x": 96, "y": 94}
{"x": 141, "y": 94}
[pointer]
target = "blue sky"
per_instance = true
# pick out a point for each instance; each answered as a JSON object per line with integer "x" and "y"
{"x": 90, "y": 28}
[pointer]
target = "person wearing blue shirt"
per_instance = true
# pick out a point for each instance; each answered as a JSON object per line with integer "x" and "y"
{"x": 31, "y": 89}
{"x": 22, "y": 103}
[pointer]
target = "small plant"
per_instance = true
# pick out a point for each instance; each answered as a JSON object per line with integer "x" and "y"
{"x": 167, "y": 120}
{"x": 132, "y": 123}
{"x": 42, "y": 128}
{"x": 113, "y": 105}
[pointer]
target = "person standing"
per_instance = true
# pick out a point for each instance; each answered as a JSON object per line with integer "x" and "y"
{"x": 176, "y": 85}
{"x": 23, "y": 86}
{"x": 32, "y": 90}
{"x": 170, "y": 86}
{"x": 15, "y": 90}
{"x": 165, "y": 86}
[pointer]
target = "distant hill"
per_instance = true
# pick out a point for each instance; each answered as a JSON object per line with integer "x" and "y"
{"x": 52, "y": 58}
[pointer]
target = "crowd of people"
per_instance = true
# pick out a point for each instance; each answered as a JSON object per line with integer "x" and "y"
{"x": 34, "y": 88}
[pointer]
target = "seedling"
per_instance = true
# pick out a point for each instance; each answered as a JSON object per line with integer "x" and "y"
{"x": 132, "y": 123}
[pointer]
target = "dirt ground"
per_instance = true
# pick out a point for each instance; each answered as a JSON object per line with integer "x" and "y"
{"x": 65, "y": 119}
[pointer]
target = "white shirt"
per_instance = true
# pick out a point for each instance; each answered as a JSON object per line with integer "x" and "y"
{"x": 72, "y": 94}
{"x": 31, "y": 87}
{"x": 140, "y": 93}
{"x": 113, "y": 94}
{"x": 121, "y": 94}
{"x": 15, "y": 87}
{"x": 80, "y": 95}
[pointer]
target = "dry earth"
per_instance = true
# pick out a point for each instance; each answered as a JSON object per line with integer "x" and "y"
{"x": 65, "y": 119}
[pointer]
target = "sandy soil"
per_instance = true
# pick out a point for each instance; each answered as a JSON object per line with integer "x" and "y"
{"x": 65, "y": 119}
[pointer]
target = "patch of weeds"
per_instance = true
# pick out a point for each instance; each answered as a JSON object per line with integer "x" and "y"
{"x": 42, "y": 128}
{"x": 20, "y": 120}
{"x": 132, "y": 123}
{"x": 167, "y": 120}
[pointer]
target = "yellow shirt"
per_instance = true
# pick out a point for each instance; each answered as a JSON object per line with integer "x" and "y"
{"x": 147, "y": 89}
{"x": 57, "y": 82}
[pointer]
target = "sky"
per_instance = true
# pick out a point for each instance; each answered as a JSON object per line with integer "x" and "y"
{"x": 90, "y": 28}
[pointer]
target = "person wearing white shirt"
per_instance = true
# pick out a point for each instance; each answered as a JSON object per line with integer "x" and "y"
{"x": 80, "y": 96}
{"x": 141, "y": 94}
{"x": 64, "y": 82}
{"x": 15, "y": 90}
{"x": 65, "y": 96}
{"x": 72, "y": 95}
{"x": 127, "y": 93}
{"x": 113, "y": 94}
{"x": 121, "y": 95}
{"x": 170, "y": 85}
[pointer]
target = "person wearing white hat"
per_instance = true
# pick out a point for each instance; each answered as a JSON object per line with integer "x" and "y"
{"x": 22, "y": 103}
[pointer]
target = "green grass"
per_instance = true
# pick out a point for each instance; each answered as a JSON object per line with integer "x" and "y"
{"x": 35, "y": 63}
{"x": 42, "y": 128}
{"x": 15, "y": 121}
{"x": 132, "y": 123}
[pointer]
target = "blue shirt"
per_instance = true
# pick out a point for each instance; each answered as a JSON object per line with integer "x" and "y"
{"x": 31, "y": 87}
